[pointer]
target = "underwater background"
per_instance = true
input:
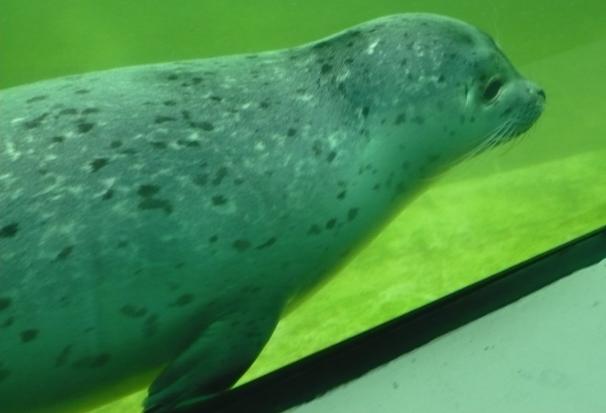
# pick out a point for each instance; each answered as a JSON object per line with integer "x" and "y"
{"x": 481, "y": 217}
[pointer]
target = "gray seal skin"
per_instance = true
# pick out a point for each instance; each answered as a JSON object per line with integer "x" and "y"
{"x": 157, "y": 220}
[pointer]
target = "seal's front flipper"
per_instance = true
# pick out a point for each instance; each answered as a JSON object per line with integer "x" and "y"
{"x": 213, "y": 362}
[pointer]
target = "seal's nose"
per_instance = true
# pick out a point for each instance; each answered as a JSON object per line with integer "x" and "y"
{"x": 537, "y": 91}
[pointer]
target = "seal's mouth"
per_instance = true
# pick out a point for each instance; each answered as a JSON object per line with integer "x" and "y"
{"x": 511, "y": 129}
{"x": 516, "y": 127}
{"x": 524, "y": 118}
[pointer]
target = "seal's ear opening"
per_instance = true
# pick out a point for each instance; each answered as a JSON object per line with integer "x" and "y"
{"x": 320, "y": 377}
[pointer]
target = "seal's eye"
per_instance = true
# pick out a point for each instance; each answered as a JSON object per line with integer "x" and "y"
{"x": 492, "y": 89}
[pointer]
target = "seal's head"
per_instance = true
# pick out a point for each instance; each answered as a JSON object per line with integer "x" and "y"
{"x": 441, "y": 85}
{"x": 496, "y": 103}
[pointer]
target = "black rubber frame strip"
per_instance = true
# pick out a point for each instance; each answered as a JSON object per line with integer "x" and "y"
{"x": 316, "y": 374}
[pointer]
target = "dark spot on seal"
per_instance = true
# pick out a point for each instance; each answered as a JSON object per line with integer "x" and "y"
{"x": 37, "y": 121}
{"x": 132, "y": 311}
{"x": 221, "y": 173}
{"x": 148, "y": 190}
{"x": 365, "y": 111}
{"x": 9, "y": 231}
{"x": 162, "y": 119}
{"x": 158, "y": 145}
{"x": 65, "y": 252}
{"x": 68, "y": 111}
{"x": 267, "y": 243}
{"x": 8, "y": 322}
{"x": 92, "y": 362}
{"x": 207, "y": 126}
{"x": 291, "y": 132}
{"x": 82, "y": 91}
{"x": 169, "y": 103}
{"x": 115, "y": 144}
{"x": 150, "y": 325}
{"x": 419, "y": 120}
{"x": 63, "y": 356}
{"x": 507, "y": 112}
{"x": 151, "y": 203}
{"x": 219, "y": 200}
{"x": 98, "y": 164}
{"x": 321, "y": 45}
{"x": 330, "y": 224}
{"x": 401, "y": 118}
{"x": 172, "y": 76}
{"x": 89, "y": 111}
{"x": 326, "y": 68}
{"x": 213, "y": 239}
{"x": 241, "y": 245}
{"x": 36, "y": 98}
{"x": 5, "y": 302}
{"x": 264, "y": 104}
{"x": 441, "y": 79}
{"x": 183, "y": 300}
{"x": 216, "y": 98}
{"x": 238, "y": 181}
{"x": 331, "y": 156}
{"x": 58, "y": 139}
{"x": 108, "y": 195}
{"x": 352, "y": 214}
{"x": 188, "y": 143}
{"x": 29, "y": 335}
{"x": 341, "y": 195}
{"x": 84, "y": 127}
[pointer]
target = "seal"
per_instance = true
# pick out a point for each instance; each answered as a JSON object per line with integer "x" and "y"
{"x": 157, "y": 220}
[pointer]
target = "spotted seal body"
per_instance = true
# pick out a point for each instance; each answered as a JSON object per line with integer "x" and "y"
{"x": 156, "y": 220}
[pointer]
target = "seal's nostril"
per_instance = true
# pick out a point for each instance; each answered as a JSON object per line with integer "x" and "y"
{"x": 541, "y": 93}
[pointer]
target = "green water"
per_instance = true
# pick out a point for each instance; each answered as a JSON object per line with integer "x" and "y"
{"x": 481, "y": 217}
